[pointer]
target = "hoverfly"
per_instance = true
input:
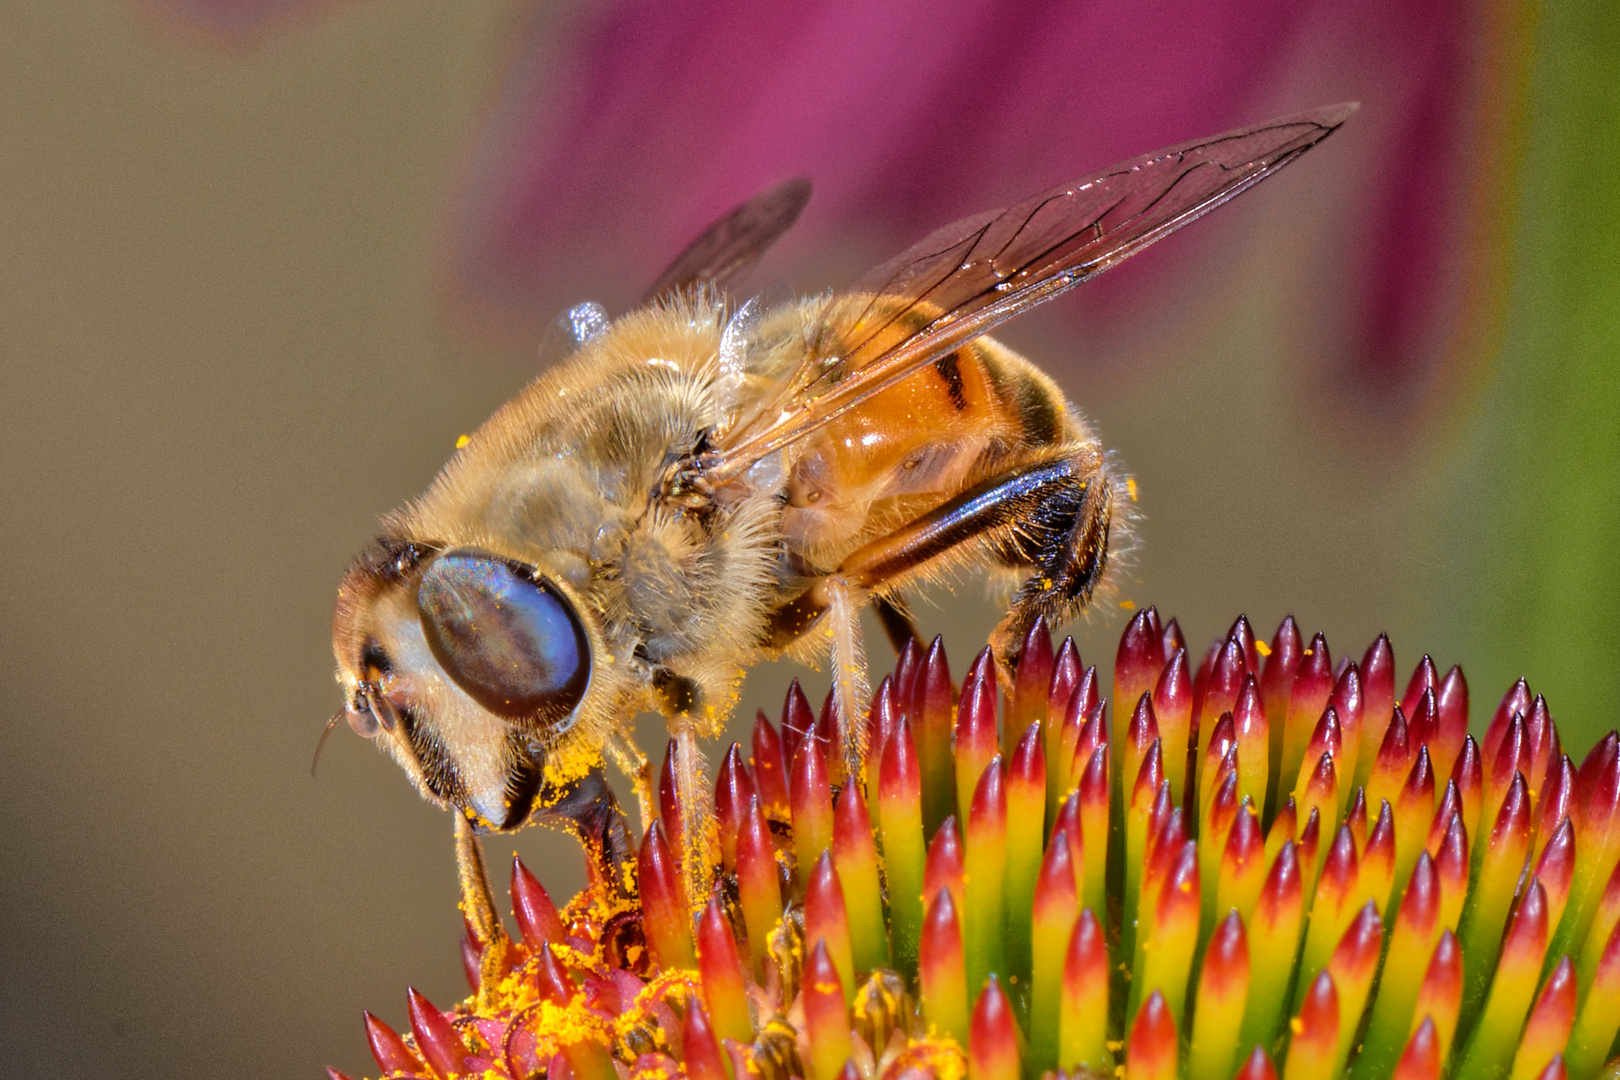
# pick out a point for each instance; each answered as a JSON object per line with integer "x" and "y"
{"x": 703, "y": 485}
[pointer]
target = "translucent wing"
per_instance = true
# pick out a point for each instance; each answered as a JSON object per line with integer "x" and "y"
{"x": 731, "y": 246}
{"x": 968, "y": 277}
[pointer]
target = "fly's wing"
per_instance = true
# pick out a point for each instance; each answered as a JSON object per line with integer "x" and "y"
{"x": 731, "y": 246}
{"x": 968, "y": 277}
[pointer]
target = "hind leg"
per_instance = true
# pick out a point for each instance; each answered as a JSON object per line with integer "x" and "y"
{"x": 1064, "y": 540}
{"x": 1050, "y": 516}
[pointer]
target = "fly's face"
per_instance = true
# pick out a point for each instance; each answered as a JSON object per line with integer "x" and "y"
{"x": 469, "y": 668}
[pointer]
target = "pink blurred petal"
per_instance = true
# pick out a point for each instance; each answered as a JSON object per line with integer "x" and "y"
{"x": 645, "y": 120}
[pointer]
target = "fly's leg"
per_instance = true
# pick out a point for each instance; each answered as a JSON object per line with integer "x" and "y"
{"x": 588, "y": 808}
{"x": 699, "y": 841}
{"x": 851, "y": 692}
{"x": 1064, "y": 539}
{"x": 477, "y": 899}
{"x": 898, "y": 625}
{"x": 1050, "y": 516}
{"x": 628, "y": 759}
{"x": 478, "y": 904}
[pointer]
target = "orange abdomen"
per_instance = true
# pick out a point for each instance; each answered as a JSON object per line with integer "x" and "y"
{"x": 916, "y": 444}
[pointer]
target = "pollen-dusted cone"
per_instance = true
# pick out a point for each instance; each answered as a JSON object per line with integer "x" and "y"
{"x": 758, "y": 887}
{"x": 1314, "y": 1033}
{"x": 900, "y": 817}
{"x": 1223, "y": 990}
{"x": 663, "y": 902}
{"x": 993, "y": 1037}
{"x": 770, "y": 769}
{"x": 1054, "y": 908}
{"x": 855, "y": 852}
{"x": 826, "y": 1016}
{"x": 1150, "y": 1053}
{"x": 732, "y": 791}
{"x": 942, "y": 968}
{"x": 537, "y": 918}
{"x": 984, "y": 892}
{"x": 700, "y": 1049}
{"x": 1272, "y": 867}
{"x": 1440, "y": 995}
{"x": 720, "y": 967}
{"x": 1083, "y": 1009}
{"x": 389, "y": 1049}
{"x": 977, "y": 742}
{"x": 810, "y": 797}
{"x": 826, "y": 919}
{"x": 441, "y": 1047}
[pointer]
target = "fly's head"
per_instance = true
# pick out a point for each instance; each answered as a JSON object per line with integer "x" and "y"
{"x": 471, "y": 669}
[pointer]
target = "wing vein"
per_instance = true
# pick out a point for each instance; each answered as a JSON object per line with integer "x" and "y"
{"x": 1053, "y": 241}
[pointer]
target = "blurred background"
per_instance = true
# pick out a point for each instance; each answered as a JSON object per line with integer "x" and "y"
{"x": 261, "y": 263}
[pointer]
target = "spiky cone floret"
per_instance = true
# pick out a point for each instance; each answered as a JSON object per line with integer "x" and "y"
{"x": 1270, "y": 866}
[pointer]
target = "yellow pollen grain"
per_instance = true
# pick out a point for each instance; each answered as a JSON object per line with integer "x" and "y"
{"x": 1130, "y": 487}
{"x": 1128, "y": 605}
{"x": 463, "y": 441}
{"x": 1262, "y": 648}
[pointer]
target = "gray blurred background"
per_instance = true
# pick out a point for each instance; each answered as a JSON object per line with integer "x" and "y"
{"x": 222, "y": 356}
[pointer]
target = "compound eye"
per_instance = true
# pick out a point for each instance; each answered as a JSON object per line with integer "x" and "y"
{"x": 510, "y": 640}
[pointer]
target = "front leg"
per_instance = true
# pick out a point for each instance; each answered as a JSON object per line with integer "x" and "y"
{"x": 588, "y": 808}
{"x": 478, "y": 905}
{"x": 622, "y": 750}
